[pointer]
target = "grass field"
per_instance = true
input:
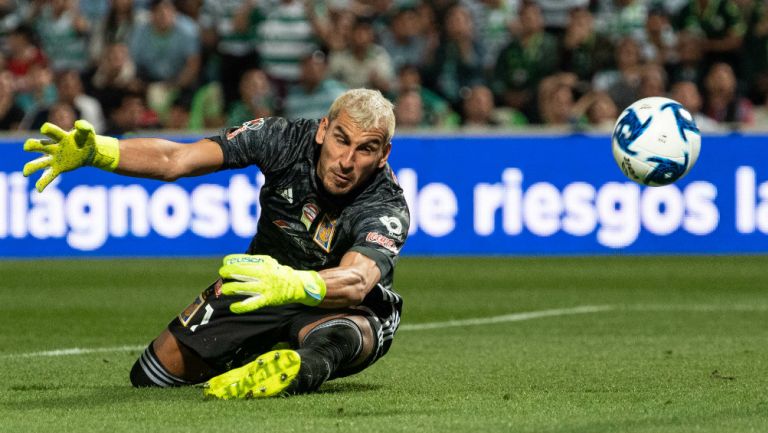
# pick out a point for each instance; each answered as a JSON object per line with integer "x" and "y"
{"x": 662, "y": 344}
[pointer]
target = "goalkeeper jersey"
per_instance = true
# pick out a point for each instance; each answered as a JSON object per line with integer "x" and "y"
{"x": 303, "y": 226}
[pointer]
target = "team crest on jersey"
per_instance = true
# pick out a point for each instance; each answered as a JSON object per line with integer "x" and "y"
{"x": 324, "y": 233}
{"x": 189, "y": 312}
{"x": 251, "y": 125}
{"x": 308, "y": 214}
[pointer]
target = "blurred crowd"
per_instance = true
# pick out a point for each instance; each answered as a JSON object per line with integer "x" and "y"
{"x": 127, "y": 65}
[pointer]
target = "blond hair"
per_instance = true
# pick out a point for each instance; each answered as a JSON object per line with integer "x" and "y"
{"x": 369, "y": 109}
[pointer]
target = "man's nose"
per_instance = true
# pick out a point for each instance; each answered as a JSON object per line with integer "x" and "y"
{"x": 347, "y": 159}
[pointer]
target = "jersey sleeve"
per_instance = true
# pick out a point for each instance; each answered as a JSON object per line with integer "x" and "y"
{"x": 269, "y": 143}
{"x": 380, "y": 233}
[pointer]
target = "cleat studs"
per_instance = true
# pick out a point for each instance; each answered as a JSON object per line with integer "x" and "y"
{"x": 263, "y": 389}
{"x": 283, "y": 377}
{"x": 249, "y": 394}
{"x": 260, "y": 361}
{"x": 277, "y": 355}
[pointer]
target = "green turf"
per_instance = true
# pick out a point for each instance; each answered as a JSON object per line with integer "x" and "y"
{"x": 684, "y": 348}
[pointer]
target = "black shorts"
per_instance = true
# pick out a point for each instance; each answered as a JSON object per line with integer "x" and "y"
{"x": 225, "y": 340}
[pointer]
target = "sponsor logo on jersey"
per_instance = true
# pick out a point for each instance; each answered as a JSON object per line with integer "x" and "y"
{"x": 283, "y": 224}
{"x": 308, "y": 214}
{"x": 251, "y": 125}
{"x": 393, "y": 225}
{"x": 324, "y": 233}
{"x": 380, "y": 239}
{"x": 189, "y": 312}
{"x": 287, "y": 194}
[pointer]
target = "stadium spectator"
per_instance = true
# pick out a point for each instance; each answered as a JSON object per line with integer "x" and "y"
{"x": 409, "y": 110}
{"x": 207, "y": 110}
{"x": 63, "y": 33}
{"x": 60, "y": 113}
{"x": 525, "y": 62}
{"x": 115, "y": 27}
{"x": 11, "y": 114}
{"x": 436, "y": 110}
{"x": 315, "y": 91}
{"x": 114, "y": 76}
{"x": 494, "y": 22}
{"x": 23, "y": 55}
{"x": 363, "y": 63}
{"x": 69, "y": 87}
{"x": 283, "y": 38}
{"x": 689, "y": 53}
{"x": 40, "y": 93}
{"x": 131, "y": 115}
{"x": 333, "y": 28}
{"x": 688, "y": 95}
{"x": 653, "y": 81}
{"x": 555, "y": 13}
{"x": 230, "y": 26}
{"x": 754, "y": 62}
{"x": 623, "y": 82}
{"x": 722, "y": 100}
{"x": 167, "y": 48}
{"x": 257, "y": 98}
{"x": 13, "y": 13}
{"x": 597, "y": 110}
{"x": 659, "y": 40}
{"x": 178, "y": 114}
{"x": 556, "y": 100}
{"x": 584, "y": 51}
{"x": 478, "y": 108}
{"x": 620, "y": 19}
{"x": 458, "y": 61}
{"x": 404, "y": 41}
{"x": 719, "y": 22}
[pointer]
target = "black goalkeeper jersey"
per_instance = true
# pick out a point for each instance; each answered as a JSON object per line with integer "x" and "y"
{"x": 303, "y": 226}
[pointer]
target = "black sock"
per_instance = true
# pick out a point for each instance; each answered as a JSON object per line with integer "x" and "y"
{"x": 326, "y": 348}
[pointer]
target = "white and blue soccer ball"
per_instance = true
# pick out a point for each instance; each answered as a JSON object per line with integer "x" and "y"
{"x": 656, "y": 141}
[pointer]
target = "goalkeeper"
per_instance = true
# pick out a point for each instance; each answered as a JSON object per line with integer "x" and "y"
{"x": 312, "y": 299}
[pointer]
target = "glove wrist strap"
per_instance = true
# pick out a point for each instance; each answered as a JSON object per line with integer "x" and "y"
{"x": 314, "y": 287}
{"x": 107, "y": 154}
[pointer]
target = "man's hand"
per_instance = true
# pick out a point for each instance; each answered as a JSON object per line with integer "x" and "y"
{"x": 65, "y": 151}
{"x": 268, "y": 283}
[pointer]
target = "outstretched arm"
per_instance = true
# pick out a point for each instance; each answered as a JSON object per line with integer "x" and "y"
{"x": 167, "y": 160}
{"x": 140, "y": 157}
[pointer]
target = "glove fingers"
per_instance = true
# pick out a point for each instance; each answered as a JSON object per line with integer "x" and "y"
{"x": 248, "y": 305}
{"x": 241, "y": 273}
{"x": 82, "y": 130}
{"x": 241, "y": 288}
{"x": 44, "y": 145}
{"x": 37, "y": 164}
{"x": 48, "y": 175}
{"x": 53, "y": 132}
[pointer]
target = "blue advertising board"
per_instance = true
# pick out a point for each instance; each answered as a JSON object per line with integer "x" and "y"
{"x": 468, "y": 195}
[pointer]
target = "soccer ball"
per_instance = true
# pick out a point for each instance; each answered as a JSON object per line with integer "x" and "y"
{"x": 656, "y": 141}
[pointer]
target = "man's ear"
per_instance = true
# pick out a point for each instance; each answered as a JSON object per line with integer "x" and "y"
{"x": 386, "y": 151}
{"x": 321, "y": 130}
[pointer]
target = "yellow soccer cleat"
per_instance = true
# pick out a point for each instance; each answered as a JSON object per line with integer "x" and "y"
{"x": 267, "y": 376}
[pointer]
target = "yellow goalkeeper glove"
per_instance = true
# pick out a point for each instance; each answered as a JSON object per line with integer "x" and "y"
{"x": 268, "y": 283}
{"x": 65, "y": 151}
